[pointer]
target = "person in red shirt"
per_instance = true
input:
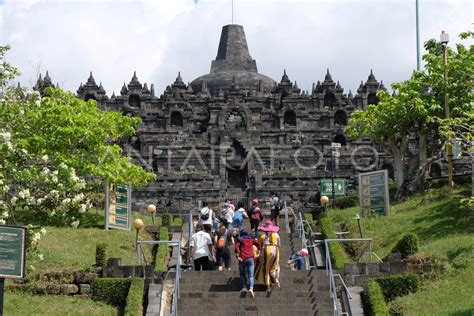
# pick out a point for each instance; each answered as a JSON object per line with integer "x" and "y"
{"x": 245, "y": 255}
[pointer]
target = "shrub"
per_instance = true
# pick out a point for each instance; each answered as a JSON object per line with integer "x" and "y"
{"x": 163, "y": 251}
{"x": 335, "y": 248}
{"x": 398, "y": 285}
{"x": 407, "y": 245}
{"x": 345, "y": 202}
{"x": 310, "y": 221}
{"x": 113, "y": 291}
{"x": 309, "y": 217}
{"x": 167, "y": 219}
{"x": 135, "y": 298}
{"x": 158, "y": 221}
{"x": 100, "y": 255}
{"x": 178, "y": 221}
{"x": 373, "y": 299}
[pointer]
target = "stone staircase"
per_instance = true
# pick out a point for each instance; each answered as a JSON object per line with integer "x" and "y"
{"x": 217, "y": 292}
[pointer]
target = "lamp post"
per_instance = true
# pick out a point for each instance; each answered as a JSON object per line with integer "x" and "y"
{"x": 152, "y": 210}
{"x": 137, "y": 224}
{"x": 357, "y": 218}
{"x": 444, "y": 39}
{"x": 334, "y": 153}
{"x": 324, "y": 201}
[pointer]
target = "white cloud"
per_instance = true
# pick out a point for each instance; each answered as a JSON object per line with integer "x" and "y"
{"x": 159, "y": 38}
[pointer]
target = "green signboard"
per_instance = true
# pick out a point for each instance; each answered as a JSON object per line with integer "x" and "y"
{"x": 12, "y": 251}
{"x": 339, "y": 186}
{"x": 118, "y": 208}
{"x": 373, "y": 193}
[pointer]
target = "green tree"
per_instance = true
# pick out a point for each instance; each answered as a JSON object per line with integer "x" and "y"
{"x": 415, "y": 114}
{"x": 52, "y": 148}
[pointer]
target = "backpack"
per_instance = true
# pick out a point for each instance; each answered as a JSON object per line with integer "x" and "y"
{"x": 251, "y": 210}
{"x": 255, "y": 214}
{"x": 205, "y": 216}
{"x": 238, "y": 219}
{"x": 222, "y": 241}
{"x": 279, "y": 206}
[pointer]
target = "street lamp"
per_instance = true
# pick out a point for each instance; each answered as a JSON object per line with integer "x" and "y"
{"x": 444, "y": 39}
{"x": 137, "y": 224}
{"x": 324, "y": 201}
{"x": 357, "y": 218}
{"x": 334, "y": 153}
{"x": 152, "y": 210}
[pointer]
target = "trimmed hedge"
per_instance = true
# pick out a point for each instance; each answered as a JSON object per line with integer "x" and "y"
{"x": 100, "y": 255}
{"x": 373, "y": 299}
{"x": 345, "y": 202}
{"x": 112, "y": 291}
{"x": 309, "y": 218}
{"x": 163, "y": 251}
{"x": 407, "y": 245}
{"x": 398, "y": 285}
{"x": 441, "y": 182}
{"x": 135, "y": 298}
{"x": 167, "y": 219}
{"x": 177, "y": 222}
{"x": 335, "y": 248}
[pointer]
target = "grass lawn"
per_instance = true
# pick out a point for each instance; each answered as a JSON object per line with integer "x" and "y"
{"x": 74, "y": 248}
{"x": 26, "y": 304}
{"x": 446, "y": 232}
{"x": 453, "y": 295}
{"x": 445, "y": 229}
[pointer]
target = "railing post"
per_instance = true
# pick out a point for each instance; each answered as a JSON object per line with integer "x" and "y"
{"x": 179, "y": 266}
{"x": 139, "y": 257}
{"x": 190, "y": 233}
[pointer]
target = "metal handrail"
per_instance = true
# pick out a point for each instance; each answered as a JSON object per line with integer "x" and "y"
{"x": 174, "y": 306}
{"x": 300, "y": 223}
{"x": 332, "y": 275}
{"x": 190, "y": 230}
{"x": 300, "y": 226}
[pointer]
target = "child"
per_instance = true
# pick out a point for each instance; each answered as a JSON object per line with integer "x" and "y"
{"x": 297, "y": 261}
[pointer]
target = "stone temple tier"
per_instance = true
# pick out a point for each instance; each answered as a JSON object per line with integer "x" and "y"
{"x": 233, "y": 66}
{"x": 236, "y": 133}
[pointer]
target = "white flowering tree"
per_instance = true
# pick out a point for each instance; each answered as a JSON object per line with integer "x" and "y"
{"x": 48, "y": 148}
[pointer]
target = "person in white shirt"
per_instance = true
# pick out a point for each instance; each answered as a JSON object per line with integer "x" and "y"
{"x": 201, "y": 249}
{"x": 227, "y": 213}
{"x": 206, "y": 215}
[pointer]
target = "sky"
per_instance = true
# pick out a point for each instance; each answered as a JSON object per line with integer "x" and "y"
{"x": 158, "y": 38}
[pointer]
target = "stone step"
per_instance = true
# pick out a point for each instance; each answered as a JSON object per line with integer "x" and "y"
{"x": 246, "y": 307}
{"x": 294, "y": 312}
{"x": 290, "y": 280}
{"x": 236, "y": 286}
{"x": 242, "y": 298}
{"x": 275, "y": 293}
{"x": 296, "y": 273}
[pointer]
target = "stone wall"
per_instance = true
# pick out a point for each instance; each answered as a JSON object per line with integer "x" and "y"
{"x": 65, "y": 282}
{"x": 357, "y": 274}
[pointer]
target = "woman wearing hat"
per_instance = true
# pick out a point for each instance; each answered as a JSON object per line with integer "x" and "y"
{"x": 268, "y": 264}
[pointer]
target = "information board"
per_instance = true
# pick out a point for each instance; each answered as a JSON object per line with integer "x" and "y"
{"x": 373, "y": 193}
{"x": 12, "y": 251}
{"x": 339, "y": 186}
{"x": 118, "y": 206}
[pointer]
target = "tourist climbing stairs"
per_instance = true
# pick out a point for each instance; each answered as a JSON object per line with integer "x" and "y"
{"x": 304, "y": 292}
